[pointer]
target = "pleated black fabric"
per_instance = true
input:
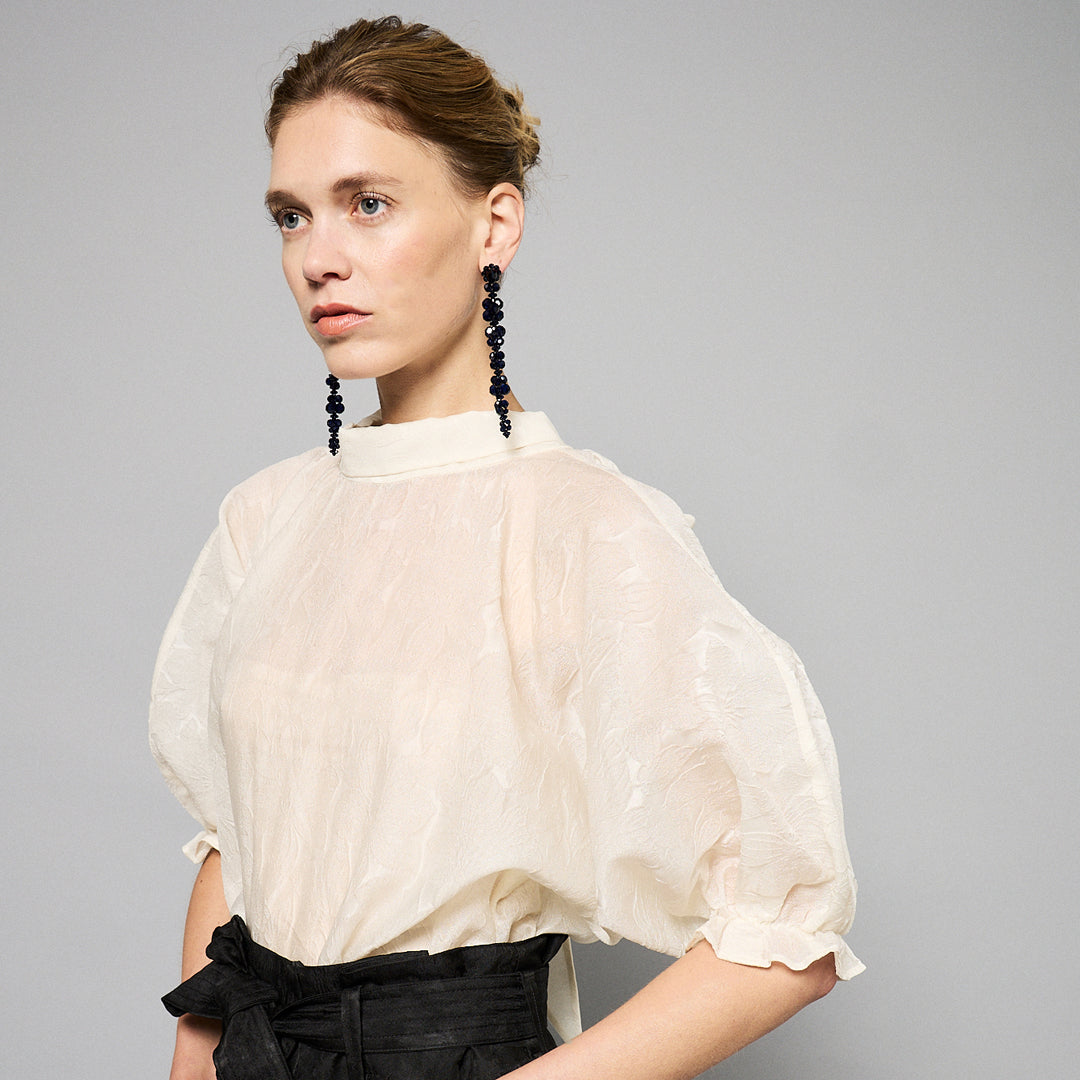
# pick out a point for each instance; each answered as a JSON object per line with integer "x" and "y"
{"x": 472, "y": 1013}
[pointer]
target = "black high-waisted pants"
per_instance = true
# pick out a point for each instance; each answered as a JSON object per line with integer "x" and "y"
{"x": 472, "y": 1013}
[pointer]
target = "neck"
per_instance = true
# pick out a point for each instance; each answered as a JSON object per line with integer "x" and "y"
{"x": 404, "y": 397}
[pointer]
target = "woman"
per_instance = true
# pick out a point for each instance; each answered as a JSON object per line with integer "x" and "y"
{"x": 455, "y": 692}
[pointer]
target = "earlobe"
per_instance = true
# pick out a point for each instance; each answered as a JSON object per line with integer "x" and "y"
{"x": 505, "y": 220}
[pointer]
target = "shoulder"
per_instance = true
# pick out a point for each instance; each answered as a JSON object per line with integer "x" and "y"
{"x": 643, "y": 565}
{"x": 589, "y": 498}
{"x": 248, "y": 506}
{"x": 268, "y": 482}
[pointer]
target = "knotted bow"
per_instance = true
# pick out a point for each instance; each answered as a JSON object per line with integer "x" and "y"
{"x": 226, "y": 990}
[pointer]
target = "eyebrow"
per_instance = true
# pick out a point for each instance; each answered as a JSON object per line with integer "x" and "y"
{"x": 279, "y": 198}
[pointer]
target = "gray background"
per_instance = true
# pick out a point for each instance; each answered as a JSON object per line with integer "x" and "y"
{"x": 811, "y": 268}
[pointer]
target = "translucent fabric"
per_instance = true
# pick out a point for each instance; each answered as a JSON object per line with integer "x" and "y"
{"x": 451, "y": 689}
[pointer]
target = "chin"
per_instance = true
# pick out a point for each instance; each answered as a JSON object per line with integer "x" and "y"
{"x": 353, "y": 372}
{"x": 350, "y": 366}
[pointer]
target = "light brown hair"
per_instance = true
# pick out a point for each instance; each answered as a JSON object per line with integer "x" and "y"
{"x": 422, "y": 84}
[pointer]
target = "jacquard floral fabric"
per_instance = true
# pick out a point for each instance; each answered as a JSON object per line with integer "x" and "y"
{"x": 449, "y": 688}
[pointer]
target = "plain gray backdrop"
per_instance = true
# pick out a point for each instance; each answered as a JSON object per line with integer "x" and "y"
{"x": 810, "y": 268}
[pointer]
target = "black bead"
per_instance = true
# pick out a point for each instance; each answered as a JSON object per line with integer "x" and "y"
{"x": 334, "y": 407}
{"x": 495, "y": 334}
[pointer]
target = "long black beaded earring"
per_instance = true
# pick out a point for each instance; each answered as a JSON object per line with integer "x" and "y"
{"x": 495, "y": 334}
{"x": 335, "y": 407}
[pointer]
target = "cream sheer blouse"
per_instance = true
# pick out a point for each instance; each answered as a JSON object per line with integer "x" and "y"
{"x": 449, "y": 688}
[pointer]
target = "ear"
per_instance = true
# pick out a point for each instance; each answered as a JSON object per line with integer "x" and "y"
{"x": 504, "y": 220}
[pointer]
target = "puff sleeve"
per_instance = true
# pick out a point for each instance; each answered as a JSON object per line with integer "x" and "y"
{"x": 713, "y": 793}
{"x": 181, "y": 729}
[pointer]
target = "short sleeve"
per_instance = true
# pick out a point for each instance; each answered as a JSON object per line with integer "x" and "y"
{"x": 180, "y": 689}
{"x": 713, "y": 791}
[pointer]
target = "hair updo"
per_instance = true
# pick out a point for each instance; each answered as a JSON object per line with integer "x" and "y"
{"x": 424, "y": 85}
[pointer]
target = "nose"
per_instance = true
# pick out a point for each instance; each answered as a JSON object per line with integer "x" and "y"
{"x": 325, "y": 256}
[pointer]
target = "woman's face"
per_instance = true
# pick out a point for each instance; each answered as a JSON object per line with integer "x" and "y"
{"x": 380, "y": 249}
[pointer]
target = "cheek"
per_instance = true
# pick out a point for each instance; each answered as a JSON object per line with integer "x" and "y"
{"x": 291, "y": 265}
{"x": 436, "y": 251}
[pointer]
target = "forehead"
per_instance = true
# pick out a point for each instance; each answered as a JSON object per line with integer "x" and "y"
{"x": 334, "y": 137}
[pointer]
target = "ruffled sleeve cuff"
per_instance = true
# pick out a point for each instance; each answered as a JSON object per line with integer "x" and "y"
{"x": 198, "y": 847}
{"x": 744, "y": 942}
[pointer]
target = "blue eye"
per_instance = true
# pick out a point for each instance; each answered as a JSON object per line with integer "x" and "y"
{"x": 369, "y": 205}
{"x": 289, "y": 220}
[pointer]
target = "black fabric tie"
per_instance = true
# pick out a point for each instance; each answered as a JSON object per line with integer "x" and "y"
{"x": 388, "y": 1003}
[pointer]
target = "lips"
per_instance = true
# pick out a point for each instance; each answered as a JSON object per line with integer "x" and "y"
{"x": 334, "y": 319}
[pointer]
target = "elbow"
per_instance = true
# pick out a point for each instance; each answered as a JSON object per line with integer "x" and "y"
{"x": 819, "y": 978}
